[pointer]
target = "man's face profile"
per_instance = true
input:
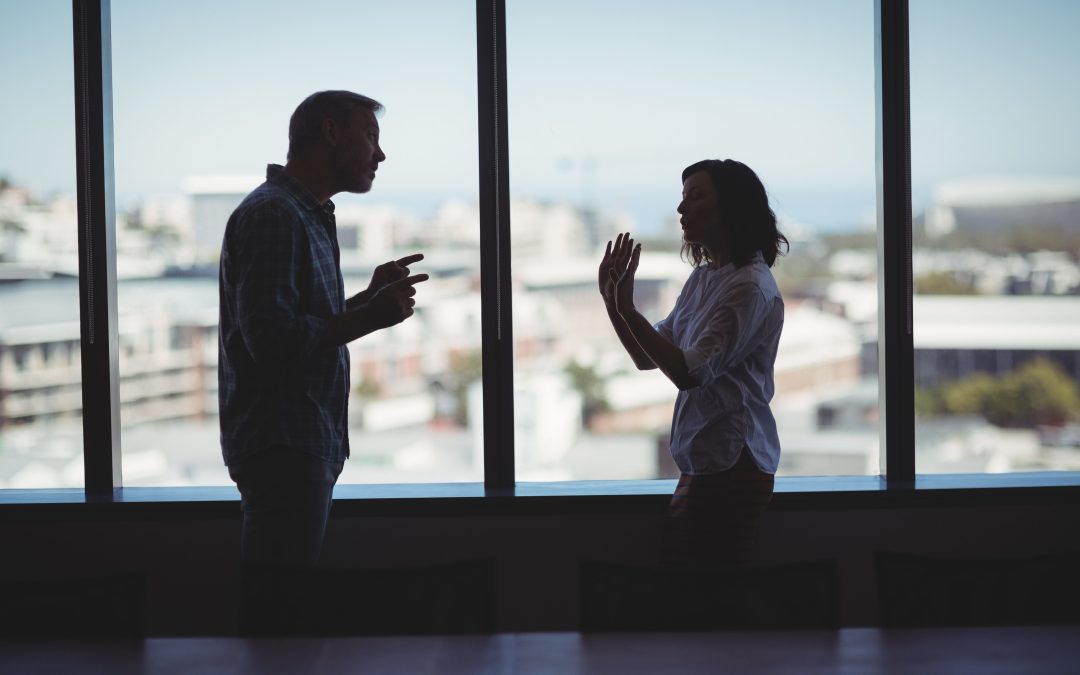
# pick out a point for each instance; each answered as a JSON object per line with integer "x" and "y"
{"x": 357, "y": 153}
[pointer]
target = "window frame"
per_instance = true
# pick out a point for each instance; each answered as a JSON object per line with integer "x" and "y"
{"x": 92, "y": 40}
{"x": 896, "y": 484}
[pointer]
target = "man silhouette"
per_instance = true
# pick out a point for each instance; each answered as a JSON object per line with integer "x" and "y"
{"x": 283, "y": 366}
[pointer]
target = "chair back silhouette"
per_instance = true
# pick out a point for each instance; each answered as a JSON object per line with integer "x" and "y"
{"x": 614, "y": 597}
{"x": 917, "y": 591}
{"x": 432, "y": 599}
{"x": 73, "y": 607}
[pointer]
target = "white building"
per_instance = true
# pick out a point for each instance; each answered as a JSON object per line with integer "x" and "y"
{"x": 998, "y": 203}
{"x": 213, "y": 199}
{"x": 957, "y": 336}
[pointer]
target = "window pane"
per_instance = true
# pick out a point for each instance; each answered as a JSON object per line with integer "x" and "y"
{"x": 40, "y": 367}
{"x": 996, "y": 201}
{"x": 203, "y": 95}
{"x": 608, "y": 103}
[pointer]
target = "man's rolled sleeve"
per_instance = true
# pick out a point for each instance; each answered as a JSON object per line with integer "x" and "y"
{"x": 272, "y": 254}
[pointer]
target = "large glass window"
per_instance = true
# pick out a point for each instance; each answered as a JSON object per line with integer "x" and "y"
{"x": 203, "y": 92}
{"x": 40, "y": 369}
{"x": 996, "y": 204}
{"x": 608, "y": 102}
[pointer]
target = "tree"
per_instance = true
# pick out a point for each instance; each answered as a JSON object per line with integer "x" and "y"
{"x": 1039, "y": 393}
{"x": 463, "y": 371}
{"x": 591, "y": 387}
{"x": 943, "y": 283}
{"x": 367, "y": 389}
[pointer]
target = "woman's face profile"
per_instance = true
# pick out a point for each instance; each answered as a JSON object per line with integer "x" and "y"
{"x": 700, "y": 210}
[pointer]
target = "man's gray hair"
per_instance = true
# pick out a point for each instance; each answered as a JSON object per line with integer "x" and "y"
{"x": 305, "y": 125}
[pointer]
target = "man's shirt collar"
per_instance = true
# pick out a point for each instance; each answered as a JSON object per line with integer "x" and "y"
{"x": 275, "y": 173}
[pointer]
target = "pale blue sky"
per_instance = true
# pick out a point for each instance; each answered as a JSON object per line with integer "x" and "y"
{"x": 635, "y": 90}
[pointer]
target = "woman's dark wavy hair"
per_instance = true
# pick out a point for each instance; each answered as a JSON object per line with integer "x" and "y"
{"x": 749, "y": 222}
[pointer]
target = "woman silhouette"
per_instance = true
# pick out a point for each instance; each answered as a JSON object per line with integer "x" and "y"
{"x": 718, "y": 346}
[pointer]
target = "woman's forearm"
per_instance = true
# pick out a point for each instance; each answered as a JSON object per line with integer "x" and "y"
{"x": 641, "y": 359}
{"x": 666, "y": 356}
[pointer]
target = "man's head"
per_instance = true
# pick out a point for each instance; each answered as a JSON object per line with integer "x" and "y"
{"x": 339, "y": 127}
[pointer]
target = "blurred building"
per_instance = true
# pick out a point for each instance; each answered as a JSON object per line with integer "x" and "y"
{"x": 996, "y": 204}
{"x": 213, "y": 199}
{"x": 958, "y": 336}
{"x": 167, "y": 341}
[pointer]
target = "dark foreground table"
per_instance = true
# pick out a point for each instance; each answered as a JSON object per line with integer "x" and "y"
{"x": 858, "y": 651}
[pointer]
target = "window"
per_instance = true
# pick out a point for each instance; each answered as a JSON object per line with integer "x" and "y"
{"x": 996, "y": 203}
{"x": 195, "y": 128}
{"x": 40, "y": 389}
{"x": 607, "y": 104}
{"x": 600, "y": 131}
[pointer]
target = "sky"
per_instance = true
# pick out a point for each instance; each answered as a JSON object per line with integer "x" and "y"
{"x": 608, "y": 99}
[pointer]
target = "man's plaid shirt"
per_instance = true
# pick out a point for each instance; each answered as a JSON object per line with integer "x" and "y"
{"x": 280, "y": 279}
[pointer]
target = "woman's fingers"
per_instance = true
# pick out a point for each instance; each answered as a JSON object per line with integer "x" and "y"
{"x": 618, "y": 255}
{"x": 628, "y": 270}
{"x": 628, "y": 250}
{"x": 607, "y": 256}
{"x": 622, "y": 247}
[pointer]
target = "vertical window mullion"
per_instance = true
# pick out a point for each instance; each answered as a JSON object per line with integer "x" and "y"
{"x": 895, "y": 344}
{"x": 97, "y": 245}
{"x": 496, "y": 314}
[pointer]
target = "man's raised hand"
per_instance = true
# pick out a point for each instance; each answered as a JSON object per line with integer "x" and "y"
{"x": 390, "y": 272}
{"x": 386, "y": 273}
{"x": 393, "y": 303}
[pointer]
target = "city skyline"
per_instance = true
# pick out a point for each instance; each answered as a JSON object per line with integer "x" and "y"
{"x": 808, "y": 126}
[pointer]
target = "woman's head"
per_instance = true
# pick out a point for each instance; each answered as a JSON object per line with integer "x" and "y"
{"x": 725, "y": 210}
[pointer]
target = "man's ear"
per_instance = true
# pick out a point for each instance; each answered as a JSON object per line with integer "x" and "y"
{"x": 330, "y": 131}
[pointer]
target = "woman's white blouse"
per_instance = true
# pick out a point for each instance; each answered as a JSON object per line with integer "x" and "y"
{"x": 727, "y": 323}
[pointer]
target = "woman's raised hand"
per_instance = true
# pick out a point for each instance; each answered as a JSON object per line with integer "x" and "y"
{"x": 624, "y": 282}
{"x": 607, "y": 274}
{"x": 616, "y": 273}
